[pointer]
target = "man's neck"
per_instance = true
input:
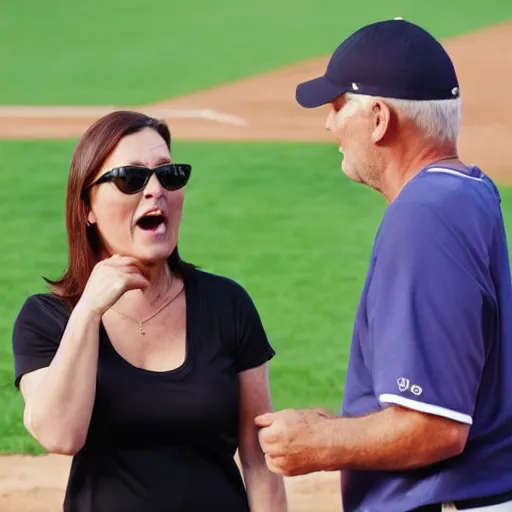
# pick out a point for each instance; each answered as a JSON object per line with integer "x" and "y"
{"x": 404, "y": 166}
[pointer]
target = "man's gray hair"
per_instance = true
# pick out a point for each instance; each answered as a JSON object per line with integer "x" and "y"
{"x": 437, "y": 119}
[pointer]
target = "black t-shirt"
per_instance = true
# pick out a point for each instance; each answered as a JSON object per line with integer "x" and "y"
{"x": 159, "y": 441}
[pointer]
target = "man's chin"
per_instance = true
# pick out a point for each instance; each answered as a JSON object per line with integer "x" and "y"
{"x": 350, "y": 173}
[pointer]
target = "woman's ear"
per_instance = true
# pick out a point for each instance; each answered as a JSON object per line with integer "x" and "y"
{"x": 91, "y": 218}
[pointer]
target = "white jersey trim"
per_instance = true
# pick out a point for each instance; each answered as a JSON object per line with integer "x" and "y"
{"x": 500, "y": 507}
{"x": 460, "y": 174}
{"x": 436, "y": 410}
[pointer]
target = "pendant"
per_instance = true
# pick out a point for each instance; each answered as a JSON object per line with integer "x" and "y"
{"x": 141, "y": 330}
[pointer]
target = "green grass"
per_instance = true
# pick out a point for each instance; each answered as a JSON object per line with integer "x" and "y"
{"x": 127, "y": 52}
{"x": 279, "y": 218}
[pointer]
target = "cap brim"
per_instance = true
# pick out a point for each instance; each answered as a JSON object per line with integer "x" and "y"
{"x": 317, "y": 92}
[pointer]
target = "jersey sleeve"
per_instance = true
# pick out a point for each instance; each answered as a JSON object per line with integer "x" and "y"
{"x": 252, "y": 344}
{"x": 426, "y": 315}
{"x": 36, "y": 335}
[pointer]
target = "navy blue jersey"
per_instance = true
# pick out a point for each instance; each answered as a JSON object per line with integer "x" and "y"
{"x": 433, "y": 333}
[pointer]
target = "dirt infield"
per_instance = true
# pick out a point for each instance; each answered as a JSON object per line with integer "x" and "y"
{"x": 36, "y": 484}
{"x": 263, "y": 108}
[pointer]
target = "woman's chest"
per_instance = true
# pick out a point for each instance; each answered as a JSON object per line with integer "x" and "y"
{"x": 191, "y": 402}
{"x": 155, "y": 345}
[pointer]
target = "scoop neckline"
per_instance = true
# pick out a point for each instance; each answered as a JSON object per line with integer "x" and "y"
{"x": 186, "y": 367}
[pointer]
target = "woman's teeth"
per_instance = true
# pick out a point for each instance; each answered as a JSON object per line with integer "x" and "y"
{"x": 160, "y": 230}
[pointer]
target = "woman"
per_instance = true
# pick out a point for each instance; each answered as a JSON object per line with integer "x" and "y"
{"x": 147, "y": 370}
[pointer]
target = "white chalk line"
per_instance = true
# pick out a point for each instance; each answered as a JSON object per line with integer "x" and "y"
{"x": 63, "y": 112}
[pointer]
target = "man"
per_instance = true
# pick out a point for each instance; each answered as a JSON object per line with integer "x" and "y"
{"x": 427, "y": 413}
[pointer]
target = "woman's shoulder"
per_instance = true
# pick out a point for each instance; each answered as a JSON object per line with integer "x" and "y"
{"x": 218, "y": 285}
{"x": 43, "y": 307}
{"x": 37, "y": 332}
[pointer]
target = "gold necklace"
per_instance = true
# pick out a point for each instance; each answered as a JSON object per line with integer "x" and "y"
{"x": 142, "y": 323}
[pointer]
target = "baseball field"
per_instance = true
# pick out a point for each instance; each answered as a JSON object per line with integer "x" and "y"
{"x": 267, "y": 204}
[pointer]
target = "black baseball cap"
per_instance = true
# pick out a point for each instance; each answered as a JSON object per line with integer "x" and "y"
{"x": 391, "y": 59}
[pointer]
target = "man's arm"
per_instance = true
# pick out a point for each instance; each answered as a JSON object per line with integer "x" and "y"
{"x": 303, "y": 441}
{"x": 395, "y": 438}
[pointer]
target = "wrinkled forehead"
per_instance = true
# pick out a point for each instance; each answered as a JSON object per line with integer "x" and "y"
{"x": 145, "y": 148}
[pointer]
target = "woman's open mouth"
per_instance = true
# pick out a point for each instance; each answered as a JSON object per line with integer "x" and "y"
{"x": 154, "y": 222}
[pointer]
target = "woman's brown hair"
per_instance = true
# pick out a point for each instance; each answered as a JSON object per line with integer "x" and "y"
{"x": 92, "y": 150}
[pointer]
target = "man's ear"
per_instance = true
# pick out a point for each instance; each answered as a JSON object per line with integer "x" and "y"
{"x": 381, "y": 120}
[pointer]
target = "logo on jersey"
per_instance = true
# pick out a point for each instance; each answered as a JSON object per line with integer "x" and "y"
{"x": 403, "y": 384}
{"x": 416, "y": 390}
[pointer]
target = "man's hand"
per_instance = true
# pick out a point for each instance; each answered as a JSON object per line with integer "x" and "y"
{"x": 292, "y": 440}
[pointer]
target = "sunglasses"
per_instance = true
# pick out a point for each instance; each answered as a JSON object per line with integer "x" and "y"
{"x": 131, "y": 179}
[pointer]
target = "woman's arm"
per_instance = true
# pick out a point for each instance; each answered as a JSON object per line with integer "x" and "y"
{"x": 59, "y": 398}
{"x": 265, "y": 489}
